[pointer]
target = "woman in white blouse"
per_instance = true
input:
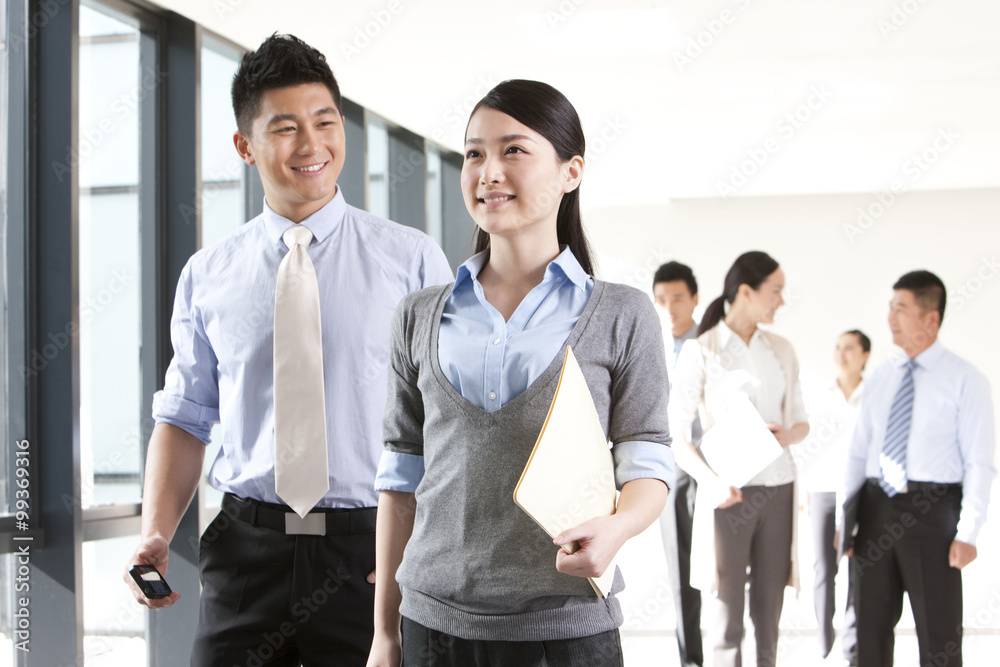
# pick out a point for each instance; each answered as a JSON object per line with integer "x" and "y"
{"x": 822, "y": 460}
{"x": 752, "y": 526}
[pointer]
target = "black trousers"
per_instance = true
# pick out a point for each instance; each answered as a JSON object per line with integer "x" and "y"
{"x": 423, "y": 647}
{"x": 675, "y": 528}
{"x": 902, "y": 545}
{"x": 822, "y": 509}
{"x": 283, "y": 600}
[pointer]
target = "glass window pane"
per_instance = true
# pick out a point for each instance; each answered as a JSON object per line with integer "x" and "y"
{"x": 434, "y": 194}
{"x": 378, "y": 167}
{"x": 222, "y": 170}
{"x": 114, "y": 626}
{"x": 111, "y": 92}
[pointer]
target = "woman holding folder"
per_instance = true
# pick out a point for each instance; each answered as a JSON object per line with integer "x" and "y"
{"x": 473, "y": 369}
{"x": 752, "y": 526}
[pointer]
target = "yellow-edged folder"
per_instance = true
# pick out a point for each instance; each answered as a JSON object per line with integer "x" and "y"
{"x": 570, "y": 475}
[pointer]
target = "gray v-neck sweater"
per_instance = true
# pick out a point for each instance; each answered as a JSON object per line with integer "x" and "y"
{"x": 476, "y": 566}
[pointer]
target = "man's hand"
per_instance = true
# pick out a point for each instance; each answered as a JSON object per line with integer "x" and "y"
{"x": 154, "y": 551}
{"x": 849, "y": 551}
{"x": 961, "y": 554}
{"x": 371, "y": 577}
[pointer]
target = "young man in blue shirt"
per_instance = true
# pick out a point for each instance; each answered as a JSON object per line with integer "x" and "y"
{"x": 277, "y": 587}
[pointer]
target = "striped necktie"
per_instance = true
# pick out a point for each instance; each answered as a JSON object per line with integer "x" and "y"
{"x": 897, "y": 434}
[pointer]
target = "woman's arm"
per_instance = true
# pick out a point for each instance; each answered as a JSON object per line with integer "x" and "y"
{"x": 640, "y": 504}
{"x": 789, "y": 436}
{"x": 686, "y": 395}
{"x": 393, "y": 528}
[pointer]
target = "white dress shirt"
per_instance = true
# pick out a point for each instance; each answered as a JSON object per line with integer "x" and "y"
{"x": 822, "y": 457}
{"x": 951, "y": 433}
{"x": 753, "y": 370}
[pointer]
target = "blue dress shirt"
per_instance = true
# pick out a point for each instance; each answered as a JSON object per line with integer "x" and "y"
{"x": 694, "y": 437}
{"x": 951, "y": 434}
{"x": 222, "y": 332}
{"x": 490, "y": 361}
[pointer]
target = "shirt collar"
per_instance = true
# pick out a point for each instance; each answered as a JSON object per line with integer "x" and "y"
{"x": 926, "y": 359}
{"x": 834, "y": 386}
{"x": 565, "y": 264}
{"x": 321, "y": 223}
{"x": 687, "y": 335}
{"x": 726, "y": 334}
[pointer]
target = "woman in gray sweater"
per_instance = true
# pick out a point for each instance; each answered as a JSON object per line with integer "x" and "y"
{"x": 464, "y": 577}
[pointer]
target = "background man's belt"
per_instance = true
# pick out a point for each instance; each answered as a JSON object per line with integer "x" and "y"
{"x": 320, "y": 521}
{"x": 916, "y": 487}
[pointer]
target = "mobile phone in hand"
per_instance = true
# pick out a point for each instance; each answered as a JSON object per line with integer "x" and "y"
{"x": 150, "y": 581}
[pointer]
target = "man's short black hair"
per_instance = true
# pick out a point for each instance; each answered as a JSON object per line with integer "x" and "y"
{"x": 672, "y": 271}
{"x": 281, "y": 61}
{"x": 927, "y": 289}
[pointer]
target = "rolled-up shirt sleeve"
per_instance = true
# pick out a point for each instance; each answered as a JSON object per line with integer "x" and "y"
{"x": 640, "y": 390}
{"x": 638, "y": 459}
{"x": 402, "y": 464}
{"x": 399, "y": 472}
{"x": 190, "y": 396}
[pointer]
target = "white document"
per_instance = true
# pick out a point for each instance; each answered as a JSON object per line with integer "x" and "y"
{"x": 570, "y": 475}
{"x": 739, "y": 445}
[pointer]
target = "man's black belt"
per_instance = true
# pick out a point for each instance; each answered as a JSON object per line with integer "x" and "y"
{"x": 320, "y": 521}
{"x": 917, "y": 487}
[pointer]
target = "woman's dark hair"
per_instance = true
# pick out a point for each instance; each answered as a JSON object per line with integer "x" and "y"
{"x": 546, "y": 111}
{"x": 865, "y": 341}
{"x": 280, "y": 61}
{"x": 751, "y": 269}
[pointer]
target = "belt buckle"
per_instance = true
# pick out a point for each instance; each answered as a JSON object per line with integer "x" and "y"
{"x": 312, "y": 524}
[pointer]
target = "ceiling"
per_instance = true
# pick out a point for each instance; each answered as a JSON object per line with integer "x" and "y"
{"x": 681, "y": 99}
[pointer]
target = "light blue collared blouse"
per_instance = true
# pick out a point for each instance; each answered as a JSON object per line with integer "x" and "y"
{"x": 490, "y": 361}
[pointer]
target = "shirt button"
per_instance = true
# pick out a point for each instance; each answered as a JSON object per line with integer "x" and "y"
{"x": 496, "y": 341}
{"x": 493, "y": 396}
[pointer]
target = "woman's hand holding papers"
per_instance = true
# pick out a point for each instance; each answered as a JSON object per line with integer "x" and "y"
{"x": 726, "y": 495}
{"x": 641, "y": 502}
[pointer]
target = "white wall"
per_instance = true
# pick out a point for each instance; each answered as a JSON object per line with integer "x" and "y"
{"x": 839, "y": 275}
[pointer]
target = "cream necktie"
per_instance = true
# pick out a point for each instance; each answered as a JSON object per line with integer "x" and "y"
{"x": 301, "y": 476}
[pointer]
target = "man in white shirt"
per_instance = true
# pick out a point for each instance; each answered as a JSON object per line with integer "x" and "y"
{"x": 922, "y": 457}
{"x": 676, "y": 293}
